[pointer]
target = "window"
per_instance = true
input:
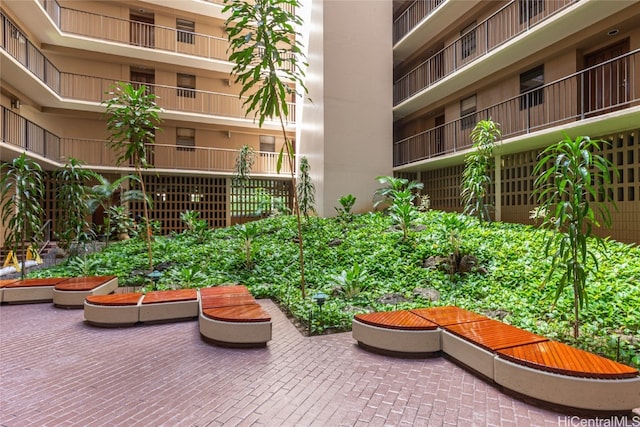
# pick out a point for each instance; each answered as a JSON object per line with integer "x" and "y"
{"x": 468, "y": 41}
{"x": 529, "y": 81}
{"x": 185, "y": 139}
{"x": 529, "y": 8}
{"x": 186, "y": 31}
{"x": 268, "y": 143}
{"x": 468, "y": 112}
{"x": 186, "y": 85}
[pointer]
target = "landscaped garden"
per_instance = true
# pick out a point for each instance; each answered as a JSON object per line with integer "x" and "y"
{"x": 364, "y": 263}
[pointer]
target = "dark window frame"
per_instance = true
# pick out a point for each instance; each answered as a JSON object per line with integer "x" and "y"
{"x": 185, "y": 140}
{"x": 186, "y": 90}
{"x": 468, "y": 115}
{"x": 185, "y": 31}
{"x": 529, "y": 81}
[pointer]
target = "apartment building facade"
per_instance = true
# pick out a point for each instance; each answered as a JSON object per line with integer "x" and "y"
{"x": 539, "y": 68}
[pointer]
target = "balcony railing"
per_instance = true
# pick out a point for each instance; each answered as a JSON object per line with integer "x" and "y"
{"x": 604, "y": 88}
{"x": 22, "y": 133}
{"x": 135, "y": 33}
{"x": 515, "y": 18}
{"x": 414, "y": 14}
{"x": 94, "y": 89}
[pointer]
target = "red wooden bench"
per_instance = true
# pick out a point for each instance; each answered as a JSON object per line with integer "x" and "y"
{"x": 72, "y": 292}
{"x": 170, "y": 305}
{"x": 517, "y": 360}
{"x": 30, "y": 290}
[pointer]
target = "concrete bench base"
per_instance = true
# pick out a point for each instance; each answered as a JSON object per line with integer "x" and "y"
{"x": 169, "y": 311}
{"x": 111, "y": 316}
{"x": 472, "y": 356}
{"x": 235, "y": 334}
{"x": 29, "y": 290}
{"x": 416, "y": 343}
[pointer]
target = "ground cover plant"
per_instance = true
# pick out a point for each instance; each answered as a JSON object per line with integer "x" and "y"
{"x": 366, "y": 264}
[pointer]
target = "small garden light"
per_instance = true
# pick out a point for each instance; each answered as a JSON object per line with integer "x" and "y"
{"x": 320, "y": 298}
{"x": 155, "y": 276}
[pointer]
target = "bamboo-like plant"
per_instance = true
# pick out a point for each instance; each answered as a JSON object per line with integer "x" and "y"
{"x": 306, "y": 189}
{"x": 573, "y": 190}
{"x": 71, "y": 223}
{"x": 132, "y": 118}
{"x": 476, "y": 176}
{"x": 393, "y": 186}
{"x": 269, "y": 64}
{"x": 244, "y": 163}
{"x": 21, "y": 192}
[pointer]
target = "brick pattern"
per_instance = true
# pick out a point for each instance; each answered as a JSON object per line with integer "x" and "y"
{"x": 57, "y": 371}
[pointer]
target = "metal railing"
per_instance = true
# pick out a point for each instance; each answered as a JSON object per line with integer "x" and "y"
{"x": 412, "y": 16}
{"x": 504, "y": 25}
{"x": 135, "y": 33}
{"x": 600, "y": 89}
{"x": 95, "y": 89}
{"x": 22, "y": 133}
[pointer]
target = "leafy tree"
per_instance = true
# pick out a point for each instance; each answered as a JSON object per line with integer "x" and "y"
{"x": 402, "y": 211}
{"x": 269, "y": 61}
{"x": 244, "y": 163}
{"x": 72, "y": 211}
{"x": 346, "y": 204}
{"x": 573, "y": 189}
{"x": 476, "y": 176}
{"x": 306, "y": 189}
{"x": 247, "y": 233}
{"x": 21, "y": 192}
{"x": 102, "y": 194}
{"x": 132, "y": 118}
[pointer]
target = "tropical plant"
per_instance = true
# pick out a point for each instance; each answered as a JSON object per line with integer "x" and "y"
{"x": 244, "y": 163}
{"x": 306, "y": 189}
{"x": 573, "y": 187}
{"x": 268, "y": 62}
{"x": 351, "y": 282}
{"x": 132, "y": 118}
{"x": 346, "y": 204}
{"x": 121, "y": 222}
{"x": 102, "y": 195}
{"x": 393, "y": 185}
{"x": 425, "y": 202}
{"x": 402, "y": 211}
{"x": 247, "y": 233}
{"x": 71, "y": 223}
{"x": 21, "y": 192}
{"x": 195, "y": 226}
{"x": 476, "y": 177}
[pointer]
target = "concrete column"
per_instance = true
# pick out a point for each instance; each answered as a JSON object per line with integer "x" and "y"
{"x": 498, "y": 186}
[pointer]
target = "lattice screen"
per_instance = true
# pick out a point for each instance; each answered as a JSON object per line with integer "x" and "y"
{"x": 173, "y": 195}
{"x": 259, "y": 198}
{"x": 443, "y": 188}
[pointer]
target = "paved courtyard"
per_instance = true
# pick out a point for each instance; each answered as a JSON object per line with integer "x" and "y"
{"x": 57, "y": 371}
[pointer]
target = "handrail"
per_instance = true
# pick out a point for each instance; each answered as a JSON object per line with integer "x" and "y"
{"x": 412, "y": 16}
{"x": 502, "y": 26}
{"x": 46, "y": 232}
{"x": 562, "y": 101}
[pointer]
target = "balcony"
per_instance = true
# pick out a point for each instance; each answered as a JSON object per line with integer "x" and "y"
{"x": 504, "y": 25}
{"x": 25, "y": 135}
{"x": 128, "y": 32}
{"x": 94, "y": 89}
{"x": 412, "y": 16}
{"x": 608, "y": 87}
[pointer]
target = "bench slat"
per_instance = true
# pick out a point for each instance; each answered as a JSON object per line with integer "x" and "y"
{"x": 225, "y": 290}
{"x": 129, "y": 298}
{"x": 46, "y": 281}
{"x": 493, "y": 335}
{"x": 83, "y": 283}
{"x": 448, "y": 315}
{"x": 401, "y": 319}
{"x": 225, "y": 300}
{"x": 156, "y": 297}
{"x": 560, "y": 358}
{"x": 240, "y": 313}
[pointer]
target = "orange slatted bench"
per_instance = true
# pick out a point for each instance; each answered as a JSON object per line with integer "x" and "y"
{"x": 521, "y": 362}
{"x": 554, "y": 372}
{"x": 401, "y": 333}
{"x": 113, "y": 309}
{"x": 161, "y": 306}
{"x": 231, "y": 317}
{"x": 71, "y": 293}
{"x": 30, "y": 290}
{"x": 474, "y": 343}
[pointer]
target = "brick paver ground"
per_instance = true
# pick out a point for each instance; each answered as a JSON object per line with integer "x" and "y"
{"x": 57, "y": 371}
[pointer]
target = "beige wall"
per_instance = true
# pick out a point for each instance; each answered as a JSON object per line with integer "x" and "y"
{"x": 346, "y": 132}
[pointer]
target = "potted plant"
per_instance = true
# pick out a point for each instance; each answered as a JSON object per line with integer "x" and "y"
{"x": 121, "y": 222}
